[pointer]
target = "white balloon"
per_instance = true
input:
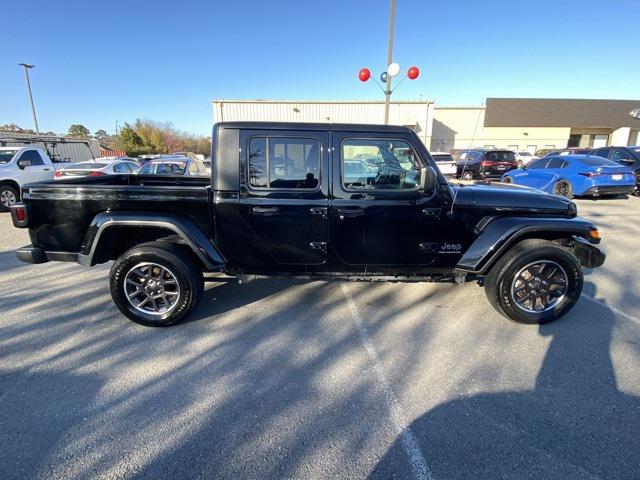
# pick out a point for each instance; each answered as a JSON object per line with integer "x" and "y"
{"x": 393, "y": 69}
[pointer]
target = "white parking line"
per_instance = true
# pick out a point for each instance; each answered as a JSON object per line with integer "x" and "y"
{"x": 615, "y": 310}
{"x": 417, "y": 461}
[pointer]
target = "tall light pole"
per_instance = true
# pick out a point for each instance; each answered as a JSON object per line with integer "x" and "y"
{"x": 387, "y": 89}
{"x": 27, "y": 67}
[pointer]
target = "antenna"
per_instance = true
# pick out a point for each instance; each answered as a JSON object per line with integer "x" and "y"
{"x": 466, "y": 161}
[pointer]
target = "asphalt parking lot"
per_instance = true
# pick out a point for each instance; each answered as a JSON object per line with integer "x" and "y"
{"x": 282, "y": 379}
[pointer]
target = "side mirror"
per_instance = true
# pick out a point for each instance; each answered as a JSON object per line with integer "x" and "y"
{"x": 22, "y": 164}
{"x": 428, "y": 179}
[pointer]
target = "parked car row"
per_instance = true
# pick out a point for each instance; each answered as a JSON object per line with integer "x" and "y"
{"x": 574, "y": 171}
{"x": 28, "y": 164}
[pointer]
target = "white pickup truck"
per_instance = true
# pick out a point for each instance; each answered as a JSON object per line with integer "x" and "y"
{"x": 19, "y": 166}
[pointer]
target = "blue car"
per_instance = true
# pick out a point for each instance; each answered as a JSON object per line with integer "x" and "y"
{"x": 575, "y": 175}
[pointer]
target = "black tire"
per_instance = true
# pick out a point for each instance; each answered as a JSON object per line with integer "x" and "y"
{"x": 467, "y": 175}
{"x": 180, "y": 265}
{"x": 563, "y": 188}
{"x": 501, "y": 281}
{"x": 507, "y": 180}
{"x": 6, "y": 192}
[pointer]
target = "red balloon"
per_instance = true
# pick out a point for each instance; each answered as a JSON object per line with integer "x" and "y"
{"x": 364, "y": 74}
{"x": 413, "y": 73}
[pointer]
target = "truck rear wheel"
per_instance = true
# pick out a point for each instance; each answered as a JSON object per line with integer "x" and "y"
{"x": 156, "y": 284}
{"x": 535, "y": 282}
{"x": 8, "y": 196}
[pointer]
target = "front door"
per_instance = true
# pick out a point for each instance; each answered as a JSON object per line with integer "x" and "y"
{"x": 36, "y": 170}
{"x": 380, "y": 221}
{"x": 284, "y": 196}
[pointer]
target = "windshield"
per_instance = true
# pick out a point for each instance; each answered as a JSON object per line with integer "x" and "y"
{"x": 85, "y": 166}
{"x": 7, "y": 155}
{"x": 498, "y": 156}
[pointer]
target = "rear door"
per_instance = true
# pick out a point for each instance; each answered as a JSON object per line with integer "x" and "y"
{"x": 284, "y": 195}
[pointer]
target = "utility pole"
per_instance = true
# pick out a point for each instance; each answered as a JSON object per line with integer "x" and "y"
{"x": 387, "y": 92}
{"x": 27, "y": 67}
{"x": 116, "y": 127}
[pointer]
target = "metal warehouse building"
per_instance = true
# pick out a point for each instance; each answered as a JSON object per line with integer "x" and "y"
{"x": 514, "y": 123}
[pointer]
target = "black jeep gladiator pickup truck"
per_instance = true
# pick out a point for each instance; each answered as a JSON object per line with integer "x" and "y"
{"x": 323, "y": 201}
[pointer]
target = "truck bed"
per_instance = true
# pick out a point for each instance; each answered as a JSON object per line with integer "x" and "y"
{"x": 61, "y": 211}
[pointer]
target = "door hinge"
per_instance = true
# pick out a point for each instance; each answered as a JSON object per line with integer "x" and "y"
{"x": 322, "y": 246}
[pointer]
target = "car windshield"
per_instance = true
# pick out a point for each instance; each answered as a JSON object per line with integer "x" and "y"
{"x": 86, "y": 166}
{"x": 525, "y": 154}
{"x": 593, "y": 161}
{"x": 7, "y": 155}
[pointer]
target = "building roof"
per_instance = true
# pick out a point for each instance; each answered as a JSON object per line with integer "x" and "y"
{"x": 554, "y": 112}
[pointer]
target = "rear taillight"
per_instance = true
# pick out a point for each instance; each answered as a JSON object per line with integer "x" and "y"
{"x": 487, "y": 163}
{"x": 97, "y": 174}
{"x": 58, "y": 174}
{"x": 21, "y": 214}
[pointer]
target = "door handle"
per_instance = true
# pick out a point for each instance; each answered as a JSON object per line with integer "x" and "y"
{"x": 265, "y": 210}
{"x": 349, "y": 212}
{"x": 431, "y": 212}
{"x": 318, "y": 211}
{"x": 46, "y": 169}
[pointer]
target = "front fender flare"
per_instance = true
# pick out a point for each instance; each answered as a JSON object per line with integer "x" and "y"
{"x": 181, "y": 225}
{"x": 502, "y": 233}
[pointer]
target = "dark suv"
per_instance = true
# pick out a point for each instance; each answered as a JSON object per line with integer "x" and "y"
{"x": 627, "y": 156}
{"x": 484, "y": 164}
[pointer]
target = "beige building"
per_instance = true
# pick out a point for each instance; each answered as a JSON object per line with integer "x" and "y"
{"x": 513, "y": 123}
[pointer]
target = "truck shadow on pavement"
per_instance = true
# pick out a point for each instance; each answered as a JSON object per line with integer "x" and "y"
{"x": 576, "y": 423}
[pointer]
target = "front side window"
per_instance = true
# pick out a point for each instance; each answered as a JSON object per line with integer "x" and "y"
{"x": 283, "y": 163}
{"x": 537, "y": 164}
{"x": 32, "y": 156}
{"x": 379, "y": 164}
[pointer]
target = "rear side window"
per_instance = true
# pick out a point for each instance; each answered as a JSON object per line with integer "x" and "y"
{"x": 33, "y": 156}
{"x": 283, "y": 163}
{"x": 147, "y": 169}
{"x": 121, "y": 168}
{"x": 555, "y": 163}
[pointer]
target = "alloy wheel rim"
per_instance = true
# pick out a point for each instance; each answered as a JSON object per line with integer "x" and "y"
{"x": 151, "y": 288}
{"x": 562, "y": 189}
{"x": 539, "y": 286}
{"x": 7, "y": 198}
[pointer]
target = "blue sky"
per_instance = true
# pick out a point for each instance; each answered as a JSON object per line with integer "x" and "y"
{"x": 102, "y": 62}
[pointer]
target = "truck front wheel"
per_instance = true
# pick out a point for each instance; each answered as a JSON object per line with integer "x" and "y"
{"x": 536, "y": 282}
{"x": 156, "y": 284}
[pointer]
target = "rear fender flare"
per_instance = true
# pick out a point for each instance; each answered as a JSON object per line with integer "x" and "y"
{"x": 500, "y": 234}
{"x": 182, "y": 226}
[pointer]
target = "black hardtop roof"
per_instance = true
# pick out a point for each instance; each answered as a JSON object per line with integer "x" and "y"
{"x": 325, "y": 127}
